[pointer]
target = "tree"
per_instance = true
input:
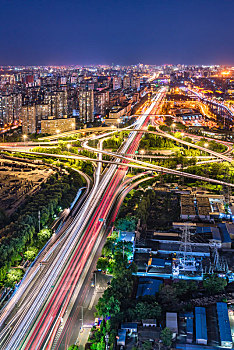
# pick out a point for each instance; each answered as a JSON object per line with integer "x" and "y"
{"x": 145, "y": 310}
{"x": 166, "y": 336}
{"x": 126, "y": 224}
{"x": 73, "y": 347}
{"x": 106, "y": 305}
{"x": 181, "y": 287}
{"x": 101, "y": 345}
{"x": 31, "y": 253}
{"x": 214, "y": 284}
{"x": 44, "y": 235}
{"x": 102, "y": 264}
{"x": 147, "y": 345}
{"x": 167, "y": 296}
{"x": 124, "y": 248}
{"x": 108, "y": 247}
{"x": 13, "y": 276}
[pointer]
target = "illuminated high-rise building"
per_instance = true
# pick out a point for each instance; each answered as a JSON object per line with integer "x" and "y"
{"x": 32, "y": 116}
{"x": 117, "y": 83}
{"x": 10, "y": 108}
{"x": 86, "y": 105}
{"x": 135, "y": 83}
{"x": 126, "y": 82}
{"x": 101, "y": 101}
{"x": 57, "y": 102}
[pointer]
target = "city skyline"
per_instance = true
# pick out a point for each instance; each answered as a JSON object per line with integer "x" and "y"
{"x": 151, "y": 32}
{"x": 116, "y": 175}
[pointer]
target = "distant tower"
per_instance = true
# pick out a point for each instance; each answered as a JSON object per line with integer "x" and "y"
{"x": 185, "y": 245}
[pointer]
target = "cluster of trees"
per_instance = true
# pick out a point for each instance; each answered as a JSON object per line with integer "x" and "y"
{"x": 112, "y": 254}
{"x": 154, "y": 209}
{"x": 97, "y": 336}
{"x": 118, "y": 304}
{"x": 73, "y": 347}
{"x": 220, "y": 171}
{"x": 117, "y": 301}
{"x": 13, "y": 276}
{"x": 214, "y": 284}
{"x": 212, "y": 145}
{"x": 126, "y": 224}
{"x": 21, "y": 233}
{"x": 151, "y": 141}
{"x": 173, "y": 162}
{"x": 114, "y": 142}
{"x": 85, "y": 166}
{"x": 169, "y": 296}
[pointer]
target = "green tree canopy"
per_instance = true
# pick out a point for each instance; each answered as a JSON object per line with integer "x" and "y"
{"x": 13, "y": 277}
{"x": 73, "y": 347}
{"x": 103, "y": 263}
{"x": 126, "y": 224}
{"x": 147, "y": 345}
{"x": 145, "y": 310}
{"x": 166, "y": 336}
{"x": 31, "y": 253}
{"x": 214, "y": 284}
{"x": 44, "y": 235}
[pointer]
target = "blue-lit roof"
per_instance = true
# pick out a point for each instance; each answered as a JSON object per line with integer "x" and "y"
{"x": 127, "y": 236}
{"x": 148, "y": 286}
{"x": 200, "y": 320}
{"x": 224, "y": 233}
{"x": 121, "y": 336}
{"x": 158, "y": 262}
{"x": 201, "y": 229}
{"x": 224, "y": 324}
{"x": 189, "y": 325}
{"x": 129, "y": 325}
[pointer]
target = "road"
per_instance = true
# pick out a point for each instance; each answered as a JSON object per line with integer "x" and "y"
{"x": 42, "y": 305}
{"x": 218, "y": 104}
{"x": 45, "y": 295}
{"x": 143, "y": 165}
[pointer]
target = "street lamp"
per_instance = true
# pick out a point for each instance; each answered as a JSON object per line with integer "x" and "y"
{"x": 118, "y": 121}
{"x": 25, "y": 137}
{"x": 57, "y": 131}
{"x": 173, "y": 126}
{"x": 142, "y": 152}
{"x": 68, "y": 146}
{"x": 206, "y": 144}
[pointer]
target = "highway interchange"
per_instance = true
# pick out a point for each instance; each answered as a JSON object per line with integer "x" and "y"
{"x": 43, "y": 303}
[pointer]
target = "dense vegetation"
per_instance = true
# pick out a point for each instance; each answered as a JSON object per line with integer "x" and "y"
{"x": 152, "y": 141}
{"x": 83, "y": 165}
{"x": 117, "y": 301}
{"x": 20, "y": 236}
{"x": 155, "y": 209}
{"x": 221, "y": 171}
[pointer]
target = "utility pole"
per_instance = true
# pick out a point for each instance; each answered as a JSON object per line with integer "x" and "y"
{"x": 95, "y": 280}
{"x": 107, "y": 340}
{"x": 39, "y": 220}
{"x": 82, "y": 316}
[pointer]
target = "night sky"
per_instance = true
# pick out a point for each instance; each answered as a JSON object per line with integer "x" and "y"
{"x": 116, "y": 31}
